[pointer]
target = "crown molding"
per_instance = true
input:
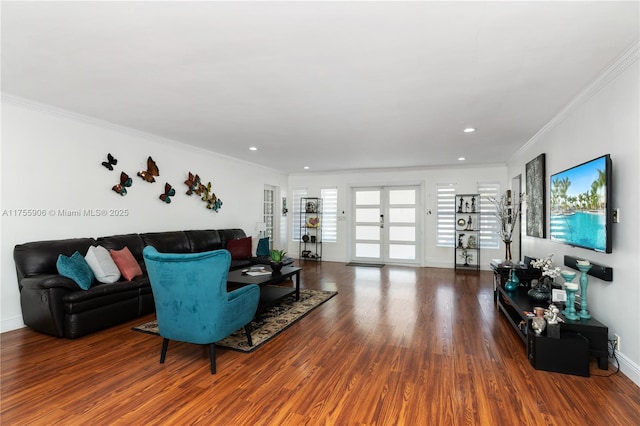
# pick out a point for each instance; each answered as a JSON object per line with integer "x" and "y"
{"x": 624, "y": 61}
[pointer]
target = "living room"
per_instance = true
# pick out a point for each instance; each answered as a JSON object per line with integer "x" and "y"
{"x": 51, "y": 159}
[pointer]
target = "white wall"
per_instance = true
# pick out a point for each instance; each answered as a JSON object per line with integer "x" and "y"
{"x": 51, "y": 162}
{"x": 602, "y": 120}
{"x": 465, "y": 178}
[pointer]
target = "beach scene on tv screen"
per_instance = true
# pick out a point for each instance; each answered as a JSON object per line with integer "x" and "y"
{"x": 578, "y": 205}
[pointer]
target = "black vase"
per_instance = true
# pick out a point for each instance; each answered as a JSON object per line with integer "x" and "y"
{"x": 276, "y": 267}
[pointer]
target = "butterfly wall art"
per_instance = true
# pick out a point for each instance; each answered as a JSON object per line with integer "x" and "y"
{"x": 213, "y": 203}
{"x": 152, "y": 170}
{"x": 110, "y": 162}
{"x": 168, "y": 192}
{"x": 194, "y": 185}
{"x": 125, "y": 182}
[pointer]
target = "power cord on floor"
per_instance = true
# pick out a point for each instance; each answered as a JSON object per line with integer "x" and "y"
{"x": 612, "y": 355}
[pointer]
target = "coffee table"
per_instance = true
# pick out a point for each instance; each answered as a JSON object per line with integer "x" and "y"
{"x": 268, "y": 291}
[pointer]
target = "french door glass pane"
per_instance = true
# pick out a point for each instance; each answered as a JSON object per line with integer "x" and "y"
{"x": 403, "y": 252}
{"x": 402, "y": 233}
{"x": 368, "y": 215}
{"x": 367, "y": 250}
{"x": 364, "y": 198}
{"x": 402, "y": 215}
{"x": 402, "y": 196}
{"x": 368, "y": 232}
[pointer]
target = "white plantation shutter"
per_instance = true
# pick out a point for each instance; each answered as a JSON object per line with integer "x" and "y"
{"x": 488, "y": 221}
{"x": 329, "y": 214}
{"x": 446, "y": 209}
{"x": 296, "y": 232}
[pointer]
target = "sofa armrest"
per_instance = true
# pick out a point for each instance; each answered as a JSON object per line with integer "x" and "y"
{"x": 48, "y": 281}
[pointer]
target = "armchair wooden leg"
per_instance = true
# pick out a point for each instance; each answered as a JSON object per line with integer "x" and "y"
{"x": 247, "y": 330}
{"x": 212, "y": 357}
{"x": 163, "y": 354}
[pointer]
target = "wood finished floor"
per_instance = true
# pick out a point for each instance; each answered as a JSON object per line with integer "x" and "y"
{"x": 396, "y": 346}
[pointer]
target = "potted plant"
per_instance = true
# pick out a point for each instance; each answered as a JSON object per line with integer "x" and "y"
{"x": 276, "y": 259}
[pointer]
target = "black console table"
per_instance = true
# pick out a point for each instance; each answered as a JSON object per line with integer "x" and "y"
{"x": 502, "y": 273}
{"x": 513, "y": 304}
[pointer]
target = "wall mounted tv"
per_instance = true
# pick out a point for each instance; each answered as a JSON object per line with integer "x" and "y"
{"x": 581, "y": 211}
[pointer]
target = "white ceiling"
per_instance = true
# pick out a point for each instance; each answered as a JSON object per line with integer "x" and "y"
{"x": 329, "y": 85}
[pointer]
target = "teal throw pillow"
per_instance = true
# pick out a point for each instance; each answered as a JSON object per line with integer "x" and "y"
{"x": 263, "y": 247}
{"x": 76, "y": 268}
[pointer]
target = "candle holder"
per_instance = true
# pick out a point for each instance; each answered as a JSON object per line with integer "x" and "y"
{"x": 570, "y": 311}
{"x": 584, "y": 267}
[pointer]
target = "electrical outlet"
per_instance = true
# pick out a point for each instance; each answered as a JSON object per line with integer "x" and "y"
{"x": 616, "y": 215}
{"x": 616, "y": 344}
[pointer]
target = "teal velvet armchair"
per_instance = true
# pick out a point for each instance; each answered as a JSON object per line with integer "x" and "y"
{"x": 192, "y": 302}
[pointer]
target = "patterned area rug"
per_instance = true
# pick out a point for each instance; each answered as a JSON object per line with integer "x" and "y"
{"x": 268, "y": 323}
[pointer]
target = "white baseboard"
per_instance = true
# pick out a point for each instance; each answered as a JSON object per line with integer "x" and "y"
{"x": 11, "y": 324}
{"x": 628, "y": 368}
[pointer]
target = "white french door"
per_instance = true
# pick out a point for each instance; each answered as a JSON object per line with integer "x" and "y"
{"x": 385, "y": 225}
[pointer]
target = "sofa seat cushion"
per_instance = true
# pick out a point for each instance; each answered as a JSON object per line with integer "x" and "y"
{"x": 98, "y": 296}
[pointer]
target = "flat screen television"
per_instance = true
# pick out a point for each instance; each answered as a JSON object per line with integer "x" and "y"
{"x": 581, "y": 211}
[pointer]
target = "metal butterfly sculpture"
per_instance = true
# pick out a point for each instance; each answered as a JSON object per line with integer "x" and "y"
{"x": 168, "y": 192}
{"x": 152, "y": 170}
{"x": 125, "y": 182}
{"x": 213, "y": 203}
{"x": 110, "y": 162}
{"x": 193, "y": 182}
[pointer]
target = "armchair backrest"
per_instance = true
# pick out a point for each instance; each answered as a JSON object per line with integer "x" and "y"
{"x": 190, "y": 292}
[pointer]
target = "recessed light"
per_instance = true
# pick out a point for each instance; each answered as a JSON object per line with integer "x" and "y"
{"x": 306, "y": 167}
{"x": 253, "y": 148}
{"x": 461, "y": 158}
{"x": 469, "y": 130}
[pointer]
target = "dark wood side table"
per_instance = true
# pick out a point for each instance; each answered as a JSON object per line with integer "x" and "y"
{"x": 513, "y": 304}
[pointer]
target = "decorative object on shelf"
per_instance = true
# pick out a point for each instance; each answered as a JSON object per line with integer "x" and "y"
{"x": 305, "y": 238}
{"x": 471, "y": 242}
{"x": 584, "y": 266}
{"x": 473, "y": 204}
{"x": 570, "y": 310}
{"x": 152, "y": 170}
{"x": 276, "y": 260}
{"x": 551, "y": 315}
{"x": 462, "y": 223}
{"x": 469, "y": 224}
{"x": 168, "y": 193}
{"x": 513, "y": 282}
{"x": 309, "y": 222}
{"x": 538, "y": 323}
{"x": 460, "y": 205}
{"x": 460, "y": 245}
{"x": 535, "y": 188}
{"x": 311, "y": 207}
{"x": 125, "y": 182}
{"x": 313, "y": 222}
{"x": 543, "y": 290}
{"x": 110, "y": 162}
{"x": 285, "y": 210}
{"x": 466, "y": 256}
{"x": 507, "y": 215}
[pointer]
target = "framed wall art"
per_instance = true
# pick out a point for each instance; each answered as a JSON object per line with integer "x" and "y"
{"x": 535, "y": 196}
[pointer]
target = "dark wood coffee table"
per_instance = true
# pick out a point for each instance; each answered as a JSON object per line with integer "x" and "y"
{"x": 269, "y": 292}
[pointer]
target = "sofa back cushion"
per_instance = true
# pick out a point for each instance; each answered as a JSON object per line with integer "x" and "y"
{"x": 117, "y": 242}
{"x": 40, "y": 257}
{"x": 205, "y": 240}
{"x": 167, "y": 242}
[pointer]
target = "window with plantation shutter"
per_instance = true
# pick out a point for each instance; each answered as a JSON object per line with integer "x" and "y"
{"x": 296, "y": 232}
{"x": 329, "y": 214}
{"x": 488, "y": 221}
{"x": 446, "y": 209}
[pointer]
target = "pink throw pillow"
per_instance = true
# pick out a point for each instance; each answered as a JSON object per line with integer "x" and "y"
{"x": 126, "y": 263}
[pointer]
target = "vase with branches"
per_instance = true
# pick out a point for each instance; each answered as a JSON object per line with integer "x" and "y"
{"x": 507, "y": 215}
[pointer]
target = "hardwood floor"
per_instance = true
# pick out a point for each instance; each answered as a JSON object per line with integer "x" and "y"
{"x": 396, "y": 346}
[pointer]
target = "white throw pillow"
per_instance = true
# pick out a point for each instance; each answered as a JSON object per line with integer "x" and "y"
{"x": 102, "y": 265}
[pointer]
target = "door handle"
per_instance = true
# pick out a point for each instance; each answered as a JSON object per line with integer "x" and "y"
{"x": 381, "y": 221}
